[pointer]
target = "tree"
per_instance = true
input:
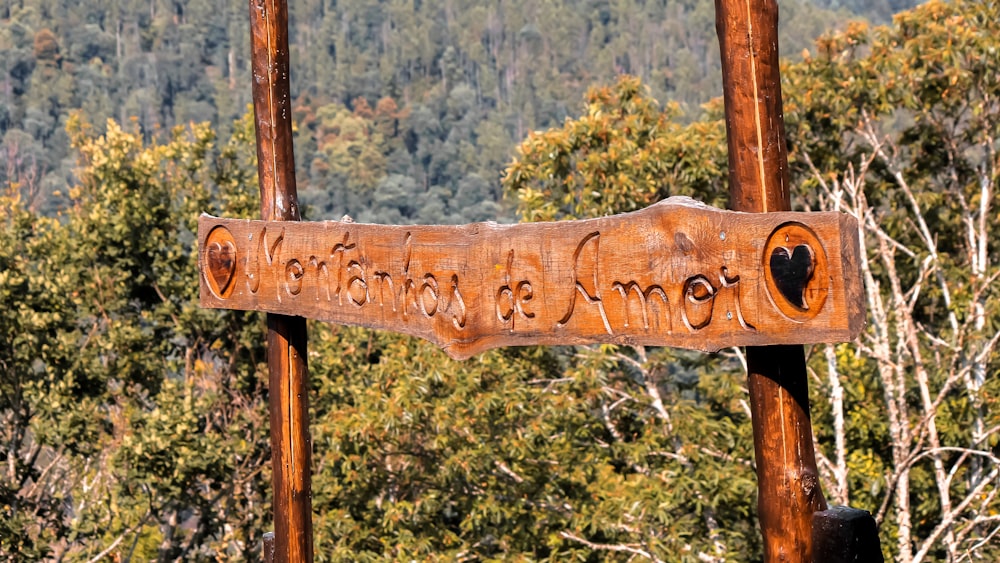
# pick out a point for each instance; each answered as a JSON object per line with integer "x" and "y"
{"x": 897, "y": 127}
{"x": 685, "y": 417}
{"x": 623, "y": 154}
{"x": 350, "y": 150}
{"x": 514, "y": 67}
{"x": 135, "y": 422}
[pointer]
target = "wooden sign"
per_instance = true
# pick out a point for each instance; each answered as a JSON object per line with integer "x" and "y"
{"x": 678, "y": 273}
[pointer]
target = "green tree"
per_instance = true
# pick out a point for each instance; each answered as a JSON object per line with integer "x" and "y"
{"x": 135, "y": 421}
{"x": 513, "y": 67}
{"x": 349, "y": 149}
{"x": 524, "y": 454}
{"x": 623, "y": 154}
{"x": 897, "y": 126}
{"x": 679, "y": 420}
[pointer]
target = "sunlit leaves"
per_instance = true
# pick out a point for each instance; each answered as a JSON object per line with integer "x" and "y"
{"x": 904, "y": 119}
{"x": 122, "y": 396}
{"x": 622, "y": 154}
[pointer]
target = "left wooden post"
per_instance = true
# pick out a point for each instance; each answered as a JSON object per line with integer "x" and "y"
{"x": 291, "y": 446}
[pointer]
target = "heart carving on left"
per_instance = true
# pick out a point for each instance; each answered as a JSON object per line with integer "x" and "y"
{"x": 220, "y": 261}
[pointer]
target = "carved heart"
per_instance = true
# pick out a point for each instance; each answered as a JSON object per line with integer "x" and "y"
{"x": 221, "y": 264}
{"x": 792, "y": 273}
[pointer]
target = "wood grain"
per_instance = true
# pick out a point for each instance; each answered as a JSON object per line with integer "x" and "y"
{"x": 788, "y": 481}
{"x": 288, "y": 386}
{"x": 675, "y": 274}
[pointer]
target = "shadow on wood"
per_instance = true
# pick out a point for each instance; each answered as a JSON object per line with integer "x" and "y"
{"x": 268, "y": 547}
{"x": 842, "y": 534}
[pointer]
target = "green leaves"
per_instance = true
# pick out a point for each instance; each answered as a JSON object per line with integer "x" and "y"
{"x": 513, "y": 453}
{"x": 145, "y": 414}
{"x": 895, "y": 125}
{"x": 623, "y": 154}
{"x": 122, "y": 397}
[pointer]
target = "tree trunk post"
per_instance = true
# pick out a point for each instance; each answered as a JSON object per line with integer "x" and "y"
{"x": 269, "y": 547}
{"x": 788, "y": 480}
{"x": 291, "y": 447}
{"x": 845, "y": 535}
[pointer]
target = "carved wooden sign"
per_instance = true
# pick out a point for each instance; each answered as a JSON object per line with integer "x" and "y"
{"x": 677, "y": 273}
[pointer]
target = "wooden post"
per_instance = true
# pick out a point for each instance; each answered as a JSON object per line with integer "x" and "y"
{"x": 788, "y": 481}
{"x": 845, "y": 535}
{"x": 269, "y": 547}
{"x": 291, "y": 447}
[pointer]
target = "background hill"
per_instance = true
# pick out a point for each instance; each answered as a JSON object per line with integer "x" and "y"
{"x": 406, "y": 110}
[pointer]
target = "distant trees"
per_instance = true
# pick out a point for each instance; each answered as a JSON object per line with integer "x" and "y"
{"x": 879, "y": 11}
{"x": 468, "y": 79}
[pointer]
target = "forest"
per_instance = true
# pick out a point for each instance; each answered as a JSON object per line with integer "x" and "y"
{"x": 135, "y": 423}
{"x": 407, "y": 111}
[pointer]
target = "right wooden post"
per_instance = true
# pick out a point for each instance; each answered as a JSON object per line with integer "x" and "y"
{"x": 795, "y": 520}
{"x": 788, "y": 480}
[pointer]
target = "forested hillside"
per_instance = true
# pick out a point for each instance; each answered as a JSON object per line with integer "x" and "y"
{"x": 406, "y": 110}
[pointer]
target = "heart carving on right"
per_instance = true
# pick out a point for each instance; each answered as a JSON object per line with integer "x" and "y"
{"x": 796, "y": 272}
{"x": 792, "y": 273}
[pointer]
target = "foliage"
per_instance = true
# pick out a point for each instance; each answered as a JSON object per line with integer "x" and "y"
{"x": 623, "y": 154}
{"x": 469, "y": 81}
{"x": 679, "y": 420}
{"x": 520, "y": 454}
{"x": 897, "y": 127}
{"x": 134, "y": 420}
{"x": 33, "y": 312}
{"x": 151, "y": 412}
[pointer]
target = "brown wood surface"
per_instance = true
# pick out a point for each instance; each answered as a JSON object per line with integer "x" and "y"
{"x": 288, "y": 397}
{"x": 788, "y": 481}
{"x": 845, "y": 535}
{"x": 677, "y": 273}
{"x": 268, "y": 547}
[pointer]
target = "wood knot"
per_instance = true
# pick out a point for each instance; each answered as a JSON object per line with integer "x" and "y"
{"x": 684, "y": 243}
